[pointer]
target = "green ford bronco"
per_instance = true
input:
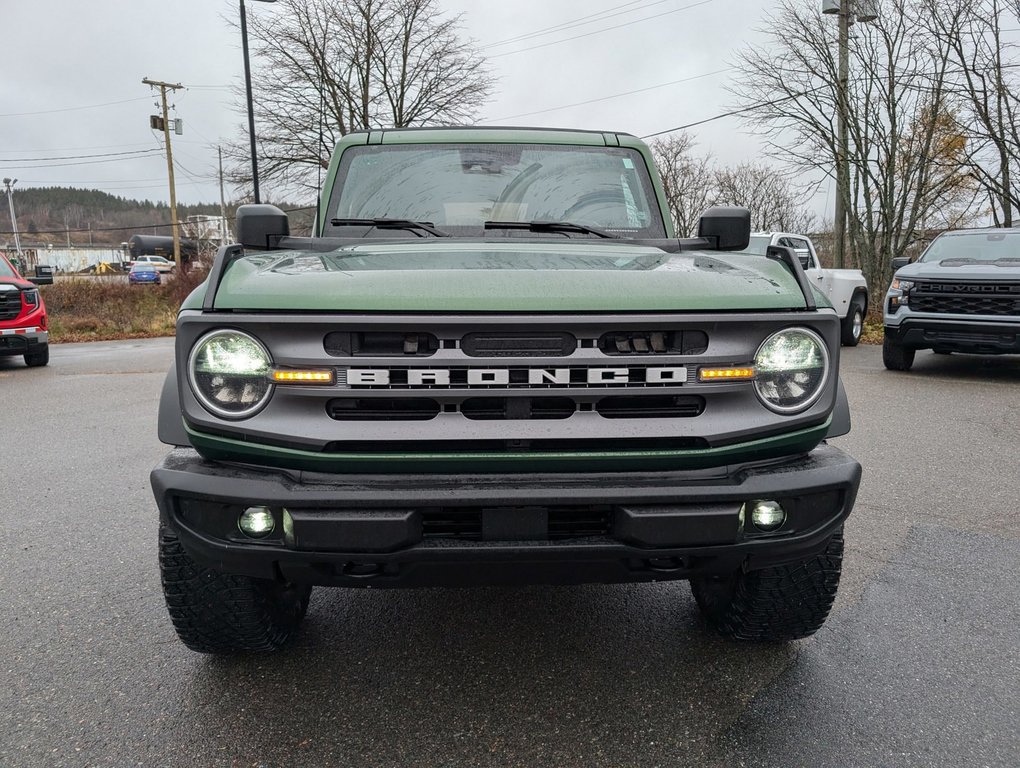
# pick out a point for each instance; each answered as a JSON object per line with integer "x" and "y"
{"x": 495, "y": 363}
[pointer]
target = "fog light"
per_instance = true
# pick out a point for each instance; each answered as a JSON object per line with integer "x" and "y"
{"x": 256, "y": 522}
{"x": 767, "y": 515}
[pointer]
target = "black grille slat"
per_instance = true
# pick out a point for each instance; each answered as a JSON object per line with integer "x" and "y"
{"x": 514, "y": 408}
{"x": 380, "y": 344}
{"x": 500, "y": 445}
{"x": 653, "y": 342}
{"x": 493, "y": 344}
{"x": 650, "y": 407}
{"x": 382, "y": 409}
{"x": 10, "y": 305}
{"x": 995, "y": 299}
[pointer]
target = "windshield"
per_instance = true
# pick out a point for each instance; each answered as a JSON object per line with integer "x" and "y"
{"x": 6, "y": 270}
{"x": 459, "y": 187}
{"x": 975, "y": 246}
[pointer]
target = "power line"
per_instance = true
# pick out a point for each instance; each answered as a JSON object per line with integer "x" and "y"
{"x": 600, "y": 31}
{"x": 67, "y": 165}
{"x": 578, "y": 22}
{"x": 614, "y": 96}
{"x": 73, "y": 109}
{"x": 74, "y": 157}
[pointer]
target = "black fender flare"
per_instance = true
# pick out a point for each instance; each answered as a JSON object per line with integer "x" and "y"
{"x": 170, "y": 429}
{"x": 840, "y": 423}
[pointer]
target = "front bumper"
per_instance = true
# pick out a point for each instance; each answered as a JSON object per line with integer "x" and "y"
{"x": 430, "y": 530}
{"x": 21, "y": 341}
{"x": 979, "y": 336}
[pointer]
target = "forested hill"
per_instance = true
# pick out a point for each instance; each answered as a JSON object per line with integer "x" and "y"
{"x": 50, "y": 214}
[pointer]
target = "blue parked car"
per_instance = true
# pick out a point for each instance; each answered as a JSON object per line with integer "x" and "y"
{"x": 144, "y": 273}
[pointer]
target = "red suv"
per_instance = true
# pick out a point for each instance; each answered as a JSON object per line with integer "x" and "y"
{"x": 23, "y": 329}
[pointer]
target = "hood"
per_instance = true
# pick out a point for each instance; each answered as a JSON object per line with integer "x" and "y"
{"x": 960, "y": 270}
{"x": 476, "y": 276}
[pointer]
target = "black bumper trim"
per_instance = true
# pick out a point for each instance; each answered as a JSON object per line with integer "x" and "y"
{"x": 987, "y": 337}
{"x": 669, "y": 525}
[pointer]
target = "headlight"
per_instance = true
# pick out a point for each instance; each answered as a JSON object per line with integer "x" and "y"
{"x": 792, "y": 368}
{"x": 899, "y": 294}
{"x": 31, "y": 297}
{"x": 229, "y": 373}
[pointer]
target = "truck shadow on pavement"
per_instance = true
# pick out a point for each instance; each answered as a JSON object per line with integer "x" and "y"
{"x": 592, "y": 675}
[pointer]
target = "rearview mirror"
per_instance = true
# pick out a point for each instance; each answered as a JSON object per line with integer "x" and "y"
{"x": 729, "y": 228}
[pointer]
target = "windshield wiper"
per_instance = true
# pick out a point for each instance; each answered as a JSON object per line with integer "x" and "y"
{"x": 413, "y": 226}
{"x": 549, "y": 226}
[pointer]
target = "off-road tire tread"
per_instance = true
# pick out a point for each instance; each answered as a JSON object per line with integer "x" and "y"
{"x": 897, "y": 357}
{"x": 220, "y": 613}
{"x": 776, "y": 604}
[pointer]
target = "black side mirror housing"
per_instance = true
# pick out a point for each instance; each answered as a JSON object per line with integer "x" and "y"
{"x": 729, "y": 228}
{"x": 900, "y": 261}
{"x": 261, "y": 226}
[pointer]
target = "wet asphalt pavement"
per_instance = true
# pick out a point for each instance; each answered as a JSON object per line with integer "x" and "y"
{"x": 919, "y": 664}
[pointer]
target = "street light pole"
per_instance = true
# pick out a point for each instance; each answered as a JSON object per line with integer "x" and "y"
{"x": 842, "y": 146}
{"x": 247, "y": 91}
{"x": 9, "y": 184}
{"x": 865, "y": 10}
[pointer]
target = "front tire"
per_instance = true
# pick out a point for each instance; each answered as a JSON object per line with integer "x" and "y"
{"x": 776, "y": 604}
{"x": 38, "y": 358}
{"x": 852, "y": 326}
{"x": 897, "y": 357}
{"x": 222, "y": 613}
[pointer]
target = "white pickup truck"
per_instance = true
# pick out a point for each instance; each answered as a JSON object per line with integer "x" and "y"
{"x": 846, "y": 289}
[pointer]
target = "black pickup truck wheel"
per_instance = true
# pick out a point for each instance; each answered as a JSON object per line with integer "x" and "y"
{"x": 777, "y": 604}
{"x": 895, "y": 356}
{"x": 40, "y": 357}
{"x": 222, "y": 613}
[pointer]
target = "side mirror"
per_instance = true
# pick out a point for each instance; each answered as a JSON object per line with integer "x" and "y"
{"x": 900, "y": 261}
{"x": 260, "y": 226}
{"x": 729, "y": 228}
{"x": 43, "y": 275}
{"x": 804, "y": 256}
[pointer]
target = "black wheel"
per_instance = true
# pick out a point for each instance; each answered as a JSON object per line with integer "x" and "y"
{"x": 222, "y": 613}
{"x": 896, "y": 356}
{"x": 777, "y": 604}
{"x": 852, "y": 325}
{"x": 40, "y": 357}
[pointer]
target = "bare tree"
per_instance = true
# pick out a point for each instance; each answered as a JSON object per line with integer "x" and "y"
{"x": 775, "y": 204}
{"x": 988, "y": 89}
{"x": 687, "y": 180}
{"x": 896, "y": 98}
{"x": 324, "y": 68}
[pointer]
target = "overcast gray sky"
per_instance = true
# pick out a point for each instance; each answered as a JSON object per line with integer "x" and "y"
{"x": 72, "y": 73}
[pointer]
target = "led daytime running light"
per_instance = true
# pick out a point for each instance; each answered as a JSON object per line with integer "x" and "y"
{"x": 302, "y": 377}
{"x": 743, "y": 373}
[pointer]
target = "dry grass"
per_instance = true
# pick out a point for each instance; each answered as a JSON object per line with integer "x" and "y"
{"x": 98, "y": 308}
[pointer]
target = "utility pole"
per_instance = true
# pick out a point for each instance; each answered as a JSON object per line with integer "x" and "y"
{"x": 9, "y": 184}
{"x": 165, "y": 124}
{"x": 842, "y": 147}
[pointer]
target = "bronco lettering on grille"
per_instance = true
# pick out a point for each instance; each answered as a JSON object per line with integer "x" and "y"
{"x": 515, "y": 377}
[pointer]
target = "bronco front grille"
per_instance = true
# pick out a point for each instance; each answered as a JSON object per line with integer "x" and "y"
{"x": 995, "y": 299}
